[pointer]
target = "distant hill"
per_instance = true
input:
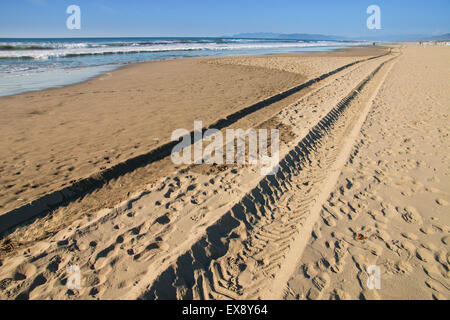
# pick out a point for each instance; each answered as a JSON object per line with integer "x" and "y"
{"x": 443, "y": 37}
{"x": 282, "y": 36}
{"x": 407, "y": 38}
{"x": 310, "y": 37}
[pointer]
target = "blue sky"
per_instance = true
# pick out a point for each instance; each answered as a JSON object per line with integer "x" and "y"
{"x": 102, "y": 18}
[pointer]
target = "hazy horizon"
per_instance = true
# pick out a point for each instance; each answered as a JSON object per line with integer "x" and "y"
{"x": 201, "y": 18}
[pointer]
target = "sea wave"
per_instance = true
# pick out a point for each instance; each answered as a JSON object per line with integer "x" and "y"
{"x": 44, "y": 51}
{"x": 8, "y": 47}
{"x": 55, "y": 45}
{"x": 35, "y": 64}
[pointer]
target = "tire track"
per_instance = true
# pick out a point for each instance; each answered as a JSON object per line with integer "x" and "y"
{"x": 146, "y": 243}
{"x": 241, "y": 254}
{"x": 79, "y": 189}
{"x": 350, "y": 135}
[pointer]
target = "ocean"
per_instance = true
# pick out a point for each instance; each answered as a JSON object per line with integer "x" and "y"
{"x": 36, "y": 64}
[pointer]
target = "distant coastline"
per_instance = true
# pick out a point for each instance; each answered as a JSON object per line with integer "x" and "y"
{"x": 305, "y": 36}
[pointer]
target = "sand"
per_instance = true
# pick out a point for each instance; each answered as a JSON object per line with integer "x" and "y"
{"x": 56, "y": 137}
{"x": 122, "y": 175}
{"x": 363, "y": 181}
{"x": 390, "y": 205}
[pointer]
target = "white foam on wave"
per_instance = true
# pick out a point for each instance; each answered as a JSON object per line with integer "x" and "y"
{"x": 79, "y": 49}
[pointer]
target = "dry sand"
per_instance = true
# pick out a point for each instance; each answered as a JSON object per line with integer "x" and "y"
{"x": 390, "y": 207}
{"x": 227, "y": 232}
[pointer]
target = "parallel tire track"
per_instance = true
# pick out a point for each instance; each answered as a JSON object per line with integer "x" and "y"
{"x": 77, "y": 190}
{"x": 241, "y": 254}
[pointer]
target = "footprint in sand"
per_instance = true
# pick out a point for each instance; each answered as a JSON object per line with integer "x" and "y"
{"x": 320, "y": 282}
{"x": 53, "y": 266}
{"x": 438, "y": 296}
{"x": 328, "y": 219}
{"x": 410, "y": 215}
{"x": 424, "y": 255}
{"x": 339, "y": 294}
{"x": 443, "y": 257}
{"x": 442, "y": 202}
{"x": 431, "y": 270}
{"x": 309, "y": 271}
{"x": 316, "y": 234}
{"x": 446, "y": 240}
{"x": 427, "y": 229}
{"x": 24, "y": 271}
{"x": 369, "y": 295}
{"x": 399, "y": 267}
{"x": 163, "y": 220}
{"x": 409, "y": 236}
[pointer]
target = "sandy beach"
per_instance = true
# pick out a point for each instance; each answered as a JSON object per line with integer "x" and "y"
{"x": 363, "y": 181}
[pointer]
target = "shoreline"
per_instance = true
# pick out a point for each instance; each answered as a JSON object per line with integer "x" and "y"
{"x": 122, "y": 65}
